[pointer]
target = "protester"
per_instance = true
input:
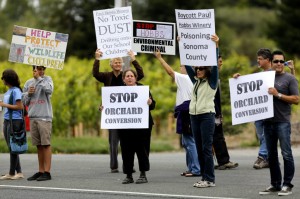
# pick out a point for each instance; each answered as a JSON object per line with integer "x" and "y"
{"x": 136, "y": 141}
{"x": 114, "y": 78}
{"x": 37, "y": 94}
{"x": 219, "y": 144}
{"x": 183, "y": 98}
{"x": 278, "y": 128}
{"x": 202, "y": 111}
{"x": 264, "y": 58}
{"x": 11, "y": 79}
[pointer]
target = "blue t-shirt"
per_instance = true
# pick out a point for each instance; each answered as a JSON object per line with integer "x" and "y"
{"x": 17, "y": 95}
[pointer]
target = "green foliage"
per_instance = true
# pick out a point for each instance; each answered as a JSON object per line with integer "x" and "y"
{"x": 285, "y": 30}
{"x": 87, "y": 145}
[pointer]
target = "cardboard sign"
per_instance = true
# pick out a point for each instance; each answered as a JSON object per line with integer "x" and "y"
{"x": 250, "y": 100}
{"x": 38, "y": 47}
{"x": 125, "y": 107}
{"x": 113, "y": 31}
{"x": 195, "y": 28}
{"x": 151, "y": 35}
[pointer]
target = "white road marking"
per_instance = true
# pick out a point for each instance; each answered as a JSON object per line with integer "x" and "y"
{"x": 112, "y": 192}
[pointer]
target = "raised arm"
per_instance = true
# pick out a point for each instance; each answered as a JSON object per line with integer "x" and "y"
{"x": 191, "y": 73}
{"x": 135, "y": 63}
{"x": 166, "y": 66}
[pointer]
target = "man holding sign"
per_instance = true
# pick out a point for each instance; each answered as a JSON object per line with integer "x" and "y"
{"x": 278, "y": 128}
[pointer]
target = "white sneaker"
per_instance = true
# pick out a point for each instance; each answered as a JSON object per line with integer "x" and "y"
{"x": 6, "y": 177}
{"x": 196, "y": 184}
{"x": 205, "y": 184}
{"x": 18, "y": 176}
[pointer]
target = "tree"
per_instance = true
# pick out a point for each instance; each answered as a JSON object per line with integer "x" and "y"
{"x": 285, "y": 30}
{"x": 73, "y": 17}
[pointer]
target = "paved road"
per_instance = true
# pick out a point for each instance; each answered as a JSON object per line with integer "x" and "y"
{"x": 87, "y": 176}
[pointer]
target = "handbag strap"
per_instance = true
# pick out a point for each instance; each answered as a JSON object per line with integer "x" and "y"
{"x": 10, "y": 111}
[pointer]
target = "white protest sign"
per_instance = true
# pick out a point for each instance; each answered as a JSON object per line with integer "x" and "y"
{"x": 151, "y": 35}
{"x": 125, "y": 107}
{"x": 113, "y": 31}
{"x": 38, "y": 47}
{"x": 250, "y": 100}
{"x": 195, "y": 28}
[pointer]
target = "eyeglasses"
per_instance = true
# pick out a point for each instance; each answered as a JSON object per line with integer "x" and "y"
{"x": 199, "y": 68}
{"x": 276, "y": 61}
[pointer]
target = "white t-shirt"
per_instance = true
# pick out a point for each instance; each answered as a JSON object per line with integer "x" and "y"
{"x": 184, "y": 88}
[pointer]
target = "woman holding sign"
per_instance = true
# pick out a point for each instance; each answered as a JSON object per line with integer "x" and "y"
{"x": 202, "y": 111}
{"x": 136, "y": 140}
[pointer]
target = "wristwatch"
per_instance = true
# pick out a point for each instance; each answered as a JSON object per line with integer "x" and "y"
{"x": 279, "y": 95}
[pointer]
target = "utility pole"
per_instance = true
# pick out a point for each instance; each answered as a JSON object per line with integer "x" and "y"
{"x": 123, "y": 3}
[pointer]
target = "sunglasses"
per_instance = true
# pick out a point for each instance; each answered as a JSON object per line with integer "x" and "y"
{"x": 280, "y": 61}
{"x": 199, "y": 68}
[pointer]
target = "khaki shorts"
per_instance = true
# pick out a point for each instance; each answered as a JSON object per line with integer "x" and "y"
{"x": 40, "y": 132}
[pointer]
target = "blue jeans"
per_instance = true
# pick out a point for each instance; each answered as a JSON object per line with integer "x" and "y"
{"x": 192, "y": 161}
{"x": 263, "y": 152}
{"x": 281, "y": 131}
{"x": 203, "y": 126}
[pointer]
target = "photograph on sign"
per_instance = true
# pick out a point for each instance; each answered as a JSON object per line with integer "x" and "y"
{"x": 195, "y": 28}
{"x": 250, "y": 100}
{"x": 38, "y": 47}
{"x": 151, "y": 35}
{"x": 113, "y": 29}
{"x": 125, "y": 107}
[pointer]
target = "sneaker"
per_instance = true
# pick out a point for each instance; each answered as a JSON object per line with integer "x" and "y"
{"x": 6, "y": 177}
{"x": 18, "y": 176}
{"x": 196, "y": 184}
{"x": 260, "y": 163}
{"x": 141, "y": 180}
{"x": 127, "y": 180}
{"x": 35, "y": 176}
{"x": 229, "y": 165}
{"x": 285, "y": 191}
{"x": 45, "y": 176}
{"x": 205, "y": 184}
{"x": 270, "y": 190}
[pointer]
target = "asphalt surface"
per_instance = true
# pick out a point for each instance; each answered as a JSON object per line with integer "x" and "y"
{"x": 88, "y": 176}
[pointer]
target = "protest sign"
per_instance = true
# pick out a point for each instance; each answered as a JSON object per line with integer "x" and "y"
{"x": 38, "y": 47}
{"x": 113, "y": 31}
{"x": 151, "y": 35}
{"x": 125, "y": 107}
{"x": 195, "y": 28}
{"x": 250, "y": 100}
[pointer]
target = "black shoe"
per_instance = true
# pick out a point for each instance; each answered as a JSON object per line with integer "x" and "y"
{"x": 141, "y": 180}
{"x": 45, "y": 176}
{"x": 127, "y": 180}
{"x": 35, "y": 176}
{"x": 114, "y": 171}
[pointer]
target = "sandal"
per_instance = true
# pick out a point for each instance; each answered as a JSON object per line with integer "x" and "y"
{"x": 184, "y": 173}
{"x": 127, "y": 180}
{"x": 141, "y": 179}
{"x": 191, "y": 175}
